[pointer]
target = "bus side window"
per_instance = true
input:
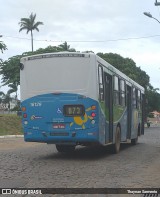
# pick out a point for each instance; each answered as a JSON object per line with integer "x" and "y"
{"x": 101, "y": 83}
{"x": 138, "y": 99}
{"x": 134, "y": 97}
{"x": 122, "y": 93}
{"x": 116, "y": 91}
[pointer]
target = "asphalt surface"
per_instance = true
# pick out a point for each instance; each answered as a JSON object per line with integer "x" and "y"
{"x": 35, "y": 165}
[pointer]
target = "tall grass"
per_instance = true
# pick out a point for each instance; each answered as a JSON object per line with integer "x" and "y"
{"x": 10, "y": 124}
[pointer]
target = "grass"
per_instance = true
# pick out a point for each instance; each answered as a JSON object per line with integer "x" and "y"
{"x": 10, "y": 125}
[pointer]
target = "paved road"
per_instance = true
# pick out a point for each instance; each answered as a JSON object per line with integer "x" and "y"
{"x": 35, "y": 165}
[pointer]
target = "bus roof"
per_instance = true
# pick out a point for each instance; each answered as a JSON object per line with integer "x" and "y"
{"x": 56, "y": 54}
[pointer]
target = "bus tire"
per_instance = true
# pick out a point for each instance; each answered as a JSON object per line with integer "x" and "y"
{"x": 116, "y": 146}
{"x": 134, "y": 141}
{"x": 139, "y": 130}
{"x": 65, "y": 148}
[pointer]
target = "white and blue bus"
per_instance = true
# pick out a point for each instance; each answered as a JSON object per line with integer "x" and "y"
{"x": 71, "y": 98}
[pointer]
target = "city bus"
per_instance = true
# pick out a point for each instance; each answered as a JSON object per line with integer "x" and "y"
{"x": 73, "y": 98}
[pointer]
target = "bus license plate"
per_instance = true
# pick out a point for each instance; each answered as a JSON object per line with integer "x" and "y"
{"x": 59, "y": 126}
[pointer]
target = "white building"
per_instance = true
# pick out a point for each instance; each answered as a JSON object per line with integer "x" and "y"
{"x": 8, "y": 106}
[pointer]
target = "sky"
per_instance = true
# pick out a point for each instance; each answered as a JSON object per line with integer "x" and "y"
{"x": 116, "y": 26}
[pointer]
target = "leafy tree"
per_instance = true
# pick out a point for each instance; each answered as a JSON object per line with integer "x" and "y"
{"x": 128, "y": 67}
{"x": 9, "y": 70}
{"x": 1, "y": 96}
{"x": 153, "y": 99}
{"x": 49, "y": 49}
{"x": 13, "y": 89}
{"x": 29, "y": 24}
{"x": 6, "y": 98}
{"x": 2, "y": 46}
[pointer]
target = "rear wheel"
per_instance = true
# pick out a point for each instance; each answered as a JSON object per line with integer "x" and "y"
{"x": 135, "y": 140}
{"x": 65, "y": 148}
{"x": 116, "y": 146}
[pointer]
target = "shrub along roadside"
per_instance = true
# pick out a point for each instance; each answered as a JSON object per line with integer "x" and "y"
{"x": 10, "y": 125}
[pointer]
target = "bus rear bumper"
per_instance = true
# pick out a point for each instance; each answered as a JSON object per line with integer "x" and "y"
{"x": 62, "y": 137}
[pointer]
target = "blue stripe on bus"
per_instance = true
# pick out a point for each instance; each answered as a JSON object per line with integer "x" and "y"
{"x": 45, "y": 111}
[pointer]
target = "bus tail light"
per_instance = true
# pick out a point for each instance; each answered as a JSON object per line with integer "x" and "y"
{"x": 24, "y": 115}
{"x": 93, "y": 107}
{"x": 23, "y": 109}
{"x": 93, "y": 114}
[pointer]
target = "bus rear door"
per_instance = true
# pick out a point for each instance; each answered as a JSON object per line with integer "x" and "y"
{"x": 108, "y": 107}
{"x": 129, "y": 111}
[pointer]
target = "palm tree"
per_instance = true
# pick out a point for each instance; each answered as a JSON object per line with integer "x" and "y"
{"x": 29, "y": 24}
{"x": 14, "y": 88}
{"x": 7, "y": 98}
{"x": 66, "y": 47}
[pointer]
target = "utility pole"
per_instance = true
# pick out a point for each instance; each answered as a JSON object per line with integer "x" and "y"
{"x": 157, "y": 3}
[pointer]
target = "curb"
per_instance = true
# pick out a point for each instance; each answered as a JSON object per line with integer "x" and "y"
{"x": 11, "y": 136}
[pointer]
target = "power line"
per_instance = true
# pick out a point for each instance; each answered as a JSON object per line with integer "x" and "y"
{"x": 80, "y": 41}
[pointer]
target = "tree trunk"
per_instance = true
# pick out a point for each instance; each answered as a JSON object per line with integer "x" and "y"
{"x": 32, "y": 40}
